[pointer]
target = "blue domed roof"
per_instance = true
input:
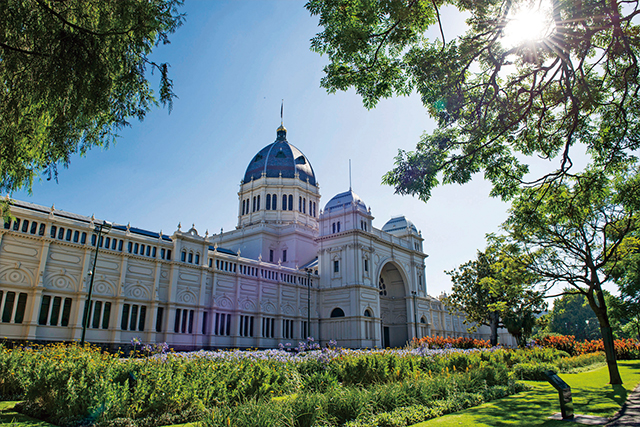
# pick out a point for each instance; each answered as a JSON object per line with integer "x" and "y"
{"x": 280, "y": 159}
{"x": 345, "y": 200}
{"x": 399, "y": 223}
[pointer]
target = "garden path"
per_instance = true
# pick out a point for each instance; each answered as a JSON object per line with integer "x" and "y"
{"x": 629, "y": 414}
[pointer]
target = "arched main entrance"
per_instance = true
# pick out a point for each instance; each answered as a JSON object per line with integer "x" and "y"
{"x": 393, "y": 307}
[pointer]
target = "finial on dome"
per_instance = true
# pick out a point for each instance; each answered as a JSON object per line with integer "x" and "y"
{"x": 282, "y": 131}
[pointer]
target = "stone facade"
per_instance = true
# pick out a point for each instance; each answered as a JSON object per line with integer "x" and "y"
{"x": 250, "y": 287}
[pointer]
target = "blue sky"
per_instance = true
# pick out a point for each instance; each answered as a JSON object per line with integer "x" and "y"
{"x": 232, "y": 62}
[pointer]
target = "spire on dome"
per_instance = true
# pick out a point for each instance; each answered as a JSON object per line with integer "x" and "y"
{"x": 281, "y": 131}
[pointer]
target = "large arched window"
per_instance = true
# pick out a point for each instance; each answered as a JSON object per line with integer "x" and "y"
{"x": 337, "y": 312}
{"x": 367, "y": 313}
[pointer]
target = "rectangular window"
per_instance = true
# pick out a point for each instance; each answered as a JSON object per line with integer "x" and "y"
{"x": 336, "y": 266}
{"x": 41, "y": 230}
{"x": 55, "y": 311}
{"x": 125, "y": 317}
{"x": 68, "y": 236}
{"x": 7, "y": 224}
{"x": 97, "y": 311}
{"x": 268, "y": 206}
{"x": 134, "y": 317}
{"x": 135, "y": 248}
{"x": 16, "y": 225}
{"x": 162, "y": 253}
{"x": 106, "y": 315}
{"x": 76, "y": 236}
{"x": 176, "y": 326}
{"x": 148, "y": 250}
{"x": 83, "y": 238}
{"x": 143, "y": 317}
{"x": 258, "y": 202}
{"x": 60, "y": 233}
{"x": 183, "y": 326}
{"x": 114, "y": 244}
{"x": 197, "y": 259}
{"x": 120, "y": 245}
{"x": 284, "y": 202}
{"x": 44, "y": 309}
{"x": 154, "y": 252}
{"x": 190, "y": 257}
{"x": 8, "y": 307}
{"x": 94, "y": 238}
{"x": 34, "y": 227}
{"x": 204, "y": 322}
{"x": 284, "y": 256}
{"x": 141, "y": 249}
{"x": 159, "y": 319}
{"x": 366, "y": 265}
{"x": 25, "y": 226}
{"x": 191, "y": 314}
{"x": 107, "y": 242}
{"x": 228, "y": 324}
{"x": 22, "y": 303}
{"x": 54, "y": 230}
{"x": 169, "y": 254}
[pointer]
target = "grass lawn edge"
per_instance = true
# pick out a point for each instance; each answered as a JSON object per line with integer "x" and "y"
{"x": 592, "y": 395}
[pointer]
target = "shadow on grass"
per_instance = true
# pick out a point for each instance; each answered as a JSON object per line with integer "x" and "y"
{"x": 591, "y": 396}
{"x": 9, "y": 417}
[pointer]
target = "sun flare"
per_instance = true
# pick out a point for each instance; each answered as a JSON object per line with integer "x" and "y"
{"x": 527, "y": 23}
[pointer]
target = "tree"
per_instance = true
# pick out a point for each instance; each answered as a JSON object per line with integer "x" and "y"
{"x": 72, "y": 73}
{"x": 497, "y": 106}
{"x": 494, "y": 290}
{"x": 571, "y": 315}
{"x": 577, "y": 230}
{"x": 627, "y": 276}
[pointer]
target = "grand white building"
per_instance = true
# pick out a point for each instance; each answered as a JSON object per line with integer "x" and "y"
{"x": 250, "y": 287}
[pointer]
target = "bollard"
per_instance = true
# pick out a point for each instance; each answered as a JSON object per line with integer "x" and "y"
{"x": 564, "y": 391}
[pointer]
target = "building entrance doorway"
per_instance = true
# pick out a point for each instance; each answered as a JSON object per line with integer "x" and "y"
{"x": 393, "y": 307}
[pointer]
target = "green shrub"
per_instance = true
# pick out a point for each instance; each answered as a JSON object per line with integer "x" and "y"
{"x": 533, "y": 371}
{"x": 569, "y": 363}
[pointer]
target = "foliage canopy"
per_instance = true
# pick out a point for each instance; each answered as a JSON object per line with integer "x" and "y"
{"x": 495, "y": 104}
{"x": 576, "y": 233}
{"x": 496, "y": 290}
{"x": 72, "y": 73}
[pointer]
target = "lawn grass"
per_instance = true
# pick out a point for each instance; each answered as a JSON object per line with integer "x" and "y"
{"x": 591, "y": 396}
{"x": 9, "y": 417}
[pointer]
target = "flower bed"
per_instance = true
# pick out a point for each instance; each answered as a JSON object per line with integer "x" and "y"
{"x": 70, "y": 385}
{"x": 626, "y": 349}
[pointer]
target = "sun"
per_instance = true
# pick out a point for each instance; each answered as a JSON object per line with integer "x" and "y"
{"x": 528, "y": 22}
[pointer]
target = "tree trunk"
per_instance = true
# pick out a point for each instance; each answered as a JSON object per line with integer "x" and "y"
{"x": 610, "y": 351}
{"x": 599, "y": 307}
{"x": 493, "y": 324}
